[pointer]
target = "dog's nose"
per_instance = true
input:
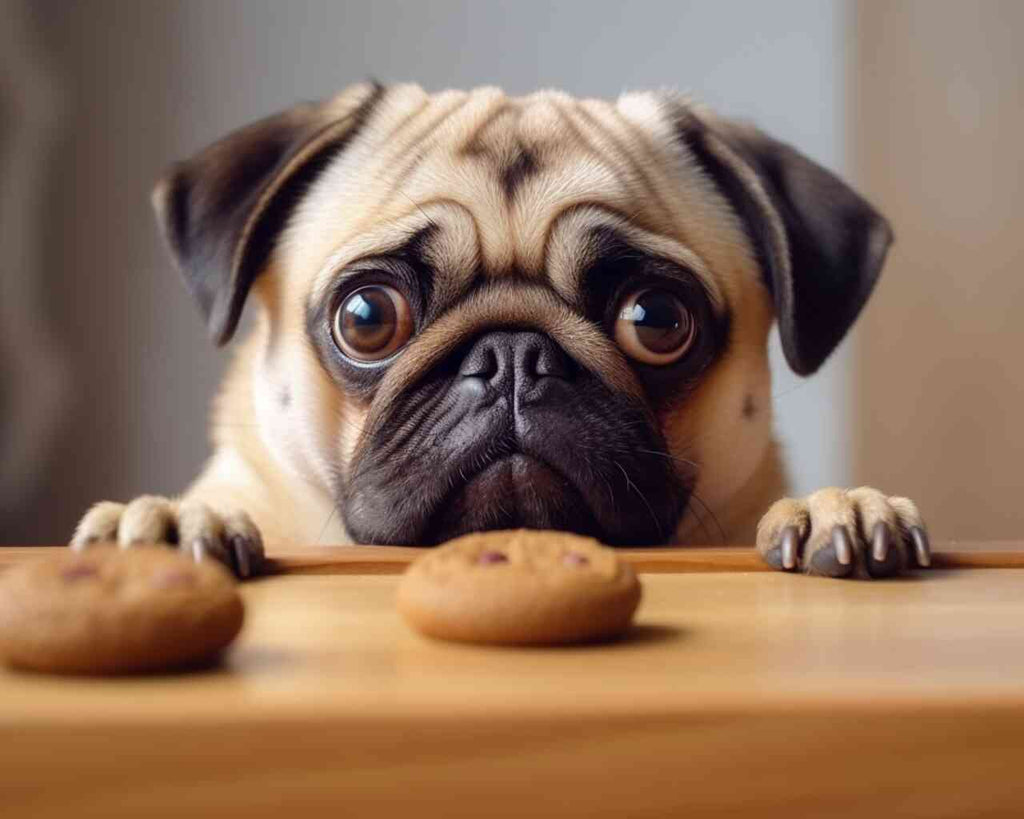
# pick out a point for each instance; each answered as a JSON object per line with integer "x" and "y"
{"x": 518, "y": 361}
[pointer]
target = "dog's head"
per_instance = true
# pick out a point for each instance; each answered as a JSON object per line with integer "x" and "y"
{"x": 484, "y": 312}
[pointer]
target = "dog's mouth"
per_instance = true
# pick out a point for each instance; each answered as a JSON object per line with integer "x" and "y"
{"x": 514, "y": 491}
{"x": 626, "y": 496}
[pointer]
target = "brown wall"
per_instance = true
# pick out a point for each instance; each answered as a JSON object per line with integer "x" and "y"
{"x": 937, "y": 133}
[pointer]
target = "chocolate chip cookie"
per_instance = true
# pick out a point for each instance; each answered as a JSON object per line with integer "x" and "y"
{"x": 520, "y": 587}
{"x": 108, "y": 611}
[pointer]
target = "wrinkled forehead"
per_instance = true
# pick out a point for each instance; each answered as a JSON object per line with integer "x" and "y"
{"x": 514, "y": 185}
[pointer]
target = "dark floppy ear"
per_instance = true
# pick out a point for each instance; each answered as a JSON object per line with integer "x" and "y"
{"x": 821, "y": 246}
{"x": 222, "y": 211}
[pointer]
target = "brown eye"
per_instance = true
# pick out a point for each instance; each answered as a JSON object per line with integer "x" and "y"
{"x": 654, "y": 326}
{"x": 372, "y": 323}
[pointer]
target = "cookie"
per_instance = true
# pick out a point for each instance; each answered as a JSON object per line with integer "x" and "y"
{"x": 108, "y": 611}
{"x": 520, "y": 587}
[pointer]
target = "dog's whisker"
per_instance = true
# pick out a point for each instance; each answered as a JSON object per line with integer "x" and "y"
{"x": 643, "y": 497}
{"x": 611, "y": 491}
{"x": 701, "y": 523}
{"x": 430, "y": 222}
{"x": 671, "y": 457}
{"x": 327, "y": 523}
{"x": 714, "y": 517}
{"x": 777, "y": 395}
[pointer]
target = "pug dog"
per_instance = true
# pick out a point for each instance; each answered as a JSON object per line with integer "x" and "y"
{"x": 479, "y": 312}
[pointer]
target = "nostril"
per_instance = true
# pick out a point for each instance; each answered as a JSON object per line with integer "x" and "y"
{"x": 549, "y": 361}
{"x": 480, "y": 363}
{"x": 530, "y": 361}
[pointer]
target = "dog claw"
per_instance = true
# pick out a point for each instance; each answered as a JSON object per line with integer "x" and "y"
{"x": 199, "y": 549}
{"x": 880, "y": 543}
{"x": 843, "y": 547}
{"x": 921, "y": 546}
{"x": 790, "y": 544}
{"x": 241, "y": 549}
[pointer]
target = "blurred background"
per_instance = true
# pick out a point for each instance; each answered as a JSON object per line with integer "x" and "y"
{"x": 106, "y": 372}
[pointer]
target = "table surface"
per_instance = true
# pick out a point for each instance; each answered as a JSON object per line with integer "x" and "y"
{"x": 739, "y": 691}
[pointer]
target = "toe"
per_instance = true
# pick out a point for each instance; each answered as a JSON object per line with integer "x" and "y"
{"x": 913, "y": 532}
{"x": 201, "y": 533}
{"x": 833, "y": 555}
{"x": 781, "y": 533}
{"x": 98, "y": 525}
{"x": 785, "y": 555}
{"x": 244, "y": 543}
{"x": 834, "y": 547}
{"x": 878, "y": 527}
{"x": 922, "y": 547}
{"x": 885, "y": 557}
{"x": 148, "y": 519}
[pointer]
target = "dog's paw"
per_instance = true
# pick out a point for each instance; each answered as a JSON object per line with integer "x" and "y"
{"x": 190, "y": 526}
{"x": 844, "y": 533}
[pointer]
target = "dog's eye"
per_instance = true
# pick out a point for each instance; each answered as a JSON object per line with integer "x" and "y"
{"x": 654, "y": 326}
{"x": 372, "y": 322}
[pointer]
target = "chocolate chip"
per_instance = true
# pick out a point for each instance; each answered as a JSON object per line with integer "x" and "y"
{"x": 79, "y": 571}
{"x": 492, "y": 557}
{"x": 575, "y": 559}
{"x": 174, "y": 579}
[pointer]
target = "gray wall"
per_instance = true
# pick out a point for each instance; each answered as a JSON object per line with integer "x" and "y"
{"x": 150, "y": 82}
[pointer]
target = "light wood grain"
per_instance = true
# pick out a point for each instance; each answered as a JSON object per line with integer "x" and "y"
{"x": 394, "y": 559}
{"x": 716, "y": 559}
{"x": 947, "y": 763}
{"x": 739, "y": 693}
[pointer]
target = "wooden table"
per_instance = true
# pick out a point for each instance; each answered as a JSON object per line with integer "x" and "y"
{"x": 741, "y": 692}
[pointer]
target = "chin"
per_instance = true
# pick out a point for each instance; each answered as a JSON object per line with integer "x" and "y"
{"x": 517, "y": 492}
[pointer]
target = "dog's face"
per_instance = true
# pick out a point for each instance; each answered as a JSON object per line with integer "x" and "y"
{"x": 483, "y": 312}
